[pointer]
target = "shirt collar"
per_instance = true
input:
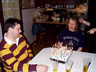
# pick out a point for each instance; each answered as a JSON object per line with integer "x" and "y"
{"x": 11, "y": 42}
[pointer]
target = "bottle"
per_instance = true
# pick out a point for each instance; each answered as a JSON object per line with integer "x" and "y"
{"x": 61, "y": 18}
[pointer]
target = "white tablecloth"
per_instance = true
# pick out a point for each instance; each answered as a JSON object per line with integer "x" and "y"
{"x": 43, "y": 58}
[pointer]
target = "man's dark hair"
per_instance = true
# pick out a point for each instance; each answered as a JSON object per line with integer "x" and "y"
{"x": 11, "y": 22}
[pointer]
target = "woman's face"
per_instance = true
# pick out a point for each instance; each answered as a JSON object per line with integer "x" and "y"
{"x": 71, "y": 25}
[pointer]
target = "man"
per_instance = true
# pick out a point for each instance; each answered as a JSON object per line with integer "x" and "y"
{"x": 15, "y": 51}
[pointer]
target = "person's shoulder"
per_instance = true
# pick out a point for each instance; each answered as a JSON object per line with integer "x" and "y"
{"x": 64, "y": 30}
{"x": 79, "y": 32}
{"x": 21, "y": 37}
{"x": 2, "y": 43}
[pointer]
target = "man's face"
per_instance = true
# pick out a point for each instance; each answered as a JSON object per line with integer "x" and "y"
{"x": 16, "y": 31}
{"x": 71, "y": 25}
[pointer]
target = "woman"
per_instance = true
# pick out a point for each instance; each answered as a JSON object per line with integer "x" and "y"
{"x": 92, "y": 30}
{"x": 91, "y": 34}
{"x": 71, "y": 36}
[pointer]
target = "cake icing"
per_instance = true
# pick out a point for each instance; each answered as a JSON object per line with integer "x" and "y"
{"x": 61, "y": 54}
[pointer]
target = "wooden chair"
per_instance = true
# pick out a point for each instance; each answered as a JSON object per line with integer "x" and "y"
{"x": 41, "y": 38}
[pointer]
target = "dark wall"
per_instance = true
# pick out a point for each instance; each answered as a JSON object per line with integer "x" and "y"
{"x": 56, "y": 2}
{"x": 92, "y": 20}
{"x": 92, "y": 12}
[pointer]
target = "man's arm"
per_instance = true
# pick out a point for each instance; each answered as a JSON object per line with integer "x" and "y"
{"x": 29, "y": 51}
{"x": 27, "y": 46}
{"x": 16, "y": 65}
{"x": 9, "y": 58}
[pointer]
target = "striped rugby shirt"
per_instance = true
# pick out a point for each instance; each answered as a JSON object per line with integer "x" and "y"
{"x": 16, "y": 58}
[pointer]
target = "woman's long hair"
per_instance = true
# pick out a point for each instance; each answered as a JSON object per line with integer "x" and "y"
{"x": 74, "y": 18}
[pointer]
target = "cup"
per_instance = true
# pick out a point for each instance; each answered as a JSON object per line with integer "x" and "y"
{"x": 68, "y": 65}
{"x": 86, "y": 63}
{"x": 55, "y": 65}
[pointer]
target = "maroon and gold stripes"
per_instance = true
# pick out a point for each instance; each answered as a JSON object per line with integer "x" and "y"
{"x": 15, "y": 58}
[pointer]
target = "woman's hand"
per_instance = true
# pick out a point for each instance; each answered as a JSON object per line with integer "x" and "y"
{"x": 92, "y": 31}
{"x": 81, "y": 20}
{"x": 58, "y": 45}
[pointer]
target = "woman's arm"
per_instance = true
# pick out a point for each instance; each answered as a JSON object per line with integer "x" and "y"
{"x": 79, "y": 49}
{"x": 81, "y": 20}
{"x": 92, "y": 31}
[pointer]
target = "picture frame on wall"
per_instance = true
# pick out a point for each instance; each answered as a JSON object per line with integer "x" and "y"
{"x": 28, "y": 4}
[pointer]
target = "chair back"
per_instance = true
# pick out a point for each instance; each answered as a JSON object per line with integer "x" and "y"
{"x": 35, "y": 28}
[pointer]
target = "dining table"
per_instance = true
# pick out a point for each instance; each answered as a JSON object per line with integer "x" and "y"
{"x": 43, "y": 57}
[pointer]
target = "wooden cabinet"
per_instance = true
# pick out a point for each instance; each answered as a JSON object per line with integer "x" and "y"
{"x": 42, "y": 3}
{"x": 53, "y": 3}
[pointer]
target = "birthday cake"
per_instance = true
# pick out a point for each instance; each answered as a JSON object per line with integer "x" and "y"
{"x": 60, "y": 54}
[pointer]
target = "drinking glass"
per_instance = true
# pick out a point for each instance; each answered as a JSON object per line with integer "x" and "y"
{"x": 86, "y": 63}
{"x": 68, "y": 65}
{"x": 55, "y": 65}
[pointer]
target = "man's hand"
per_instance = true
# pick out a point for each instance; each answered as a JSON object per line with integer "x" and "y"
{"x": 41, "y": 68}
